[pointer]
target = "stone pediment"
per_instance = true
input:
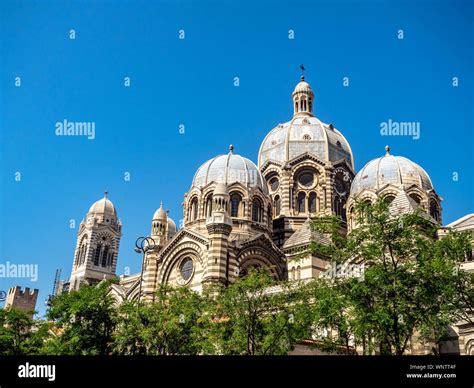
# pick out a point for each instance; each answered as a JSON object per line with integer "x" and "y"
{"x": 259, "y": 240}
{"x": 269, "y": 163}
{"x": 178, "y": 237}
{"x": 307, "y": 156}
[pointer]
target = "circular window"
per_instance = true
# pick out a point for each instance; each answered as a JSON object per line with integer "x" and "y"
{"x": 274, "y": 184}
{"x": 306, "y": 178}
{"x": 186, "y": 269}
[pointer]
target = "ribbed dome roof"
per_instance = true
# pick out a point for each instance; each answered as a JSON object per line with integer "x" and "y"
{"x": 390, "y": 169}
{"x": 103, "y": 207}
{"x": 228, "y": 169}
{"x": 304, "y": 134}
{"x": 160, "y": 213}
{"x": 303, "y": 86}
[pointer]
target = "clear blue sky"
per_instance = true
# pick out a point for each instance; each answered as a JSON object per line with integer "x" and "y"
{"x": 190, "y": 82}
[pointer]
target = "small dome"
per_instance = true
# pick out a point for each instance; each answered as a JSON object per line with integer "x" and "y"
{"x": 303, "y": 86}
{"x": 103, "y": 207}
{"x": 390, "y": 169}
{"x": 160, "y": 213}
{"x": 229, "y": 169}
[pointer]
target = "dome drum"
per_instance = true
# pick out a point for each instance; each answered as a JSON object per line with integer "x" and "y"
{"x": 242, "y": 188}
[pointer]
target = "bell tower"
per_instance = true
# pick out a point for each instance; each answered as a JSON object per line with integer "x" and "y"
{"x": 97, "y": 247}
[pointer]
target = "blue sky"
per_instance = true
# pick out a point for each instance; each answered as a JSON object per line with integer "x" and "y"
{"x": 190, "y": 82}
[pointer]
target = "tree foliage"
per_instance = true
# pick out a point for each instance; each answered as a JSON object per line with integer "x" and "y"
{"x": 169, "y": 325}
{"x": 19, "y": 334}
{"x": 412, "y": 284}
{"x": 252, "y": 318}
{"x": 85, "y": 321}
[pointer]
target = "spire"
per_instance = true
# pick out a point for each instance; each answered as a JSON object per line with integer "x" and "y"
{"x": 387, "y": 150}
{"x": 231, "y": 149}
{"x": 106, "y": 193}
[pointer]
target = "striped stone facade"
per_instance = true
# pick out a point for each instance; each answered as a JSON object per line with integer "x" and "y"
{"x": 98, "y": 242}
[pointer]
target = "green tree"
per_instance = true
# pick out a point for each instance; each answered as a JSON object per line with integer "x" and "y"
{"x": 169, "y": 325}
{"x": 84, "y": 321}
{"x": 250, "y": 318}
{"x": 19, "y": 334}
{"x": 412, "y": 283}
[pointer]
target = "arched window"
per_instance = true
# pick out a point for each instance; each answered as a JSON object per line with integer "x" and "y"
{"x": 105, "y": 252}
{"x": 416, "y": 198}
{"x": 193, "y": 215}
{"x": 298, "y": 273}
{"x": 257, "y": 210}
{"x": 110, "y": 259}
{"x": 77, "y": 260}
{"x": 235, "y": 200}
{"x": 312, "y": 202}
{"x": 293, "y": 271}
{"x": 209, "y": 206}
{"x": 301, "y": 202}
{"x": 277, "y": 206}
{"x": 83, "y": 254}
{"x": 389, "y": 199}
{"x": 434, "y": 210}
{"x": 97, "y": 254}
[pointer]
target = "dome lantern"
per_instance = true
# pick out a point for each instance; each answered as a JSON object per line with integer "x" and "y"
{"x": 303, "y": 97}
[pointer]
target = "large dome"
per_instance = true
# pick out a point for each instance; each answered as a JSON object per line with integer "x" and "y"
{"x": 304, "y": 134}
{"x": 228, "y": 169}
{"x": 390, "y": 169}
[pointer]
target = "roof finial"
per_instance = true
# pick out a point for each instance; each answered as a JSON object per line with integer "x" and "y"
{"x": 387, "y": 150}
{"x": 302, "y": 72}
{"x": 231, "y": 149}
{"x": 106, "y": 193}
{"x": 161, "y": 204}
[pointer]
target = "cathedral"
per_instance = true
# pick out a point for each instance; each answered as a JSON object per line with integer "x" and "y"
{"x": 239, "y": 215}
